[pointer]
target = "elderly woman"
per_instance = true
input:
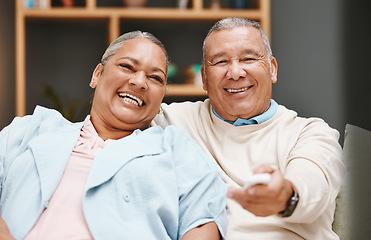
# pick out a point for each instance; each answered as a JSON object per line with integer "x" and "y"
{"x": 111, "y": 176}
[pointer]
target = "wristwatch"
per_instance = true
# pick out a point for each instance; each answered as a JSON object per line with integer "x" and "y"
{"x": 291, "y": 205}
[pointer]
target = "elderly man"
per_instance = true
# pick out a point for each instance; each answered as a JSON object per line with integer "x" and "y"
{"x": 247, "y": 133}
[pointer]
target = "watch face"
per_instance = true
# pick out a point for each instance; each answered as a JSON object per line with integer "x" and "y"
{"x": 291, "y": 205}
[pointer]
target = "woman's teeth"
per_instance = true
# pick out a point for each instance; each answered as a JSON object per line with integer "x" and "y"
{"x": 131, "y": 99}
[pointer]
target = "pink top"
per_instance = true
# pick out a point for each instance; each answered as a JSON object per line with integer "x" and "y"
{"x": 64, "y": 218}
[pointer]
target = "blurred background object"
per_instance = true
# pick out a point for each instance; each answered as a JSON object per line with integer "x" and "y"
{"x": 68, "y": 3}
{"x": 193, "y": 75}
{"x": 134, "y": 3}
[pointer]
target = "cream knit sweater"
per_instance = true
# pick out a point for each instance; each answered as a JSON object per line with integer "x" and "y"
{"x": 305, "y": 150}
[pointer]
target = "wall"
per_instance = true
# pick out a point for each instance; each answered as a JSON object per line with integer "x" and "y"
{"x": 356, "y": 64}
{"x": 7, "y": 59}
{"x": 306, "y": 40}
{"x": 322, "y": 49}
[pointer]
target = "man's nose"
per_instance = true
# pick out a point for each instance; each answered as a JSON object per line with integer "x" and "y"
{"x": 236, "y": 71}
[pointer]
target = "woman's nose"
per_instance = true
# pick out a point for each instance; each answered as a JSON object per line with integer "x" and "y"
{"x": 139, "y": 79}
{"x": 236, "y": 71}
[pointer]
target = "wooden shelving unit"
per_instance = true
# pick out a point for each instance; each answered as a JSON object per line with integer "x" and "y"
{"x": 113, "y": 17}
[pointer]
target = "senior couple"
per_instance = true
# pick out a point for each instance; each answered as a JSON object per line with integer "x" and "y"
{"x": 125, "y": 173}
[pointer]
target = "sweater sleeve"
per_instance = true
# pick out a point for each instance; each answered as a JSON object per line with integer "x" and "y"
{"x": 316, "y": 170}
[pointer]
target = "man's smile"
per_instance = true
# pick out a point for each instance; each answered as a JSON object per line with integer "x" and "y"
{"x": 237, "y": 90}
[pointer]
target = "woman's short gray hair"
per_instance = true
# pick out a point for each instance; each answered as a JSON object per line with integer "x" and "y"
{"x": 116, "y": 44}
{"x": 234, "y": 22}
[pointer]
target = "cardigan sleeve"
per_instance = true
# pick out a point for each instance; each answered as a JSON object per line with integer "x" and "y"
{"x": 11, "y": 138}
{"x": 202, "y": 196}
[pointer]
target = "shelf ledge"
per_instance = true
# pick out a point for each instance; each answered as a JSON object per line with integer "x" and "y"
{"x": 139, "y": 13}
{"x": 174, "y": 90}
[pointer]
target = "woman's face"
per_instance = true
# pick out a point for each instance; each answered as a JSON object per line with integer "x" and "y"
{"x": 129, "y": 87}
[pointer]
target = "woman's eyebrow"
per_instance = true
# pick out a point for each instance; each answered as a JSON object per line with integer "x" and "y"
{"x": 156, "y": 69}
{"x": 137, "y": 62}
{"x": 134, "y": 60}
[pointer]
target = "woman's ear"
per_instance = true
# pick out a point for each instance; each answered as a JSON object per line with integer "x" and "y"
{"x": 96, "y": 74}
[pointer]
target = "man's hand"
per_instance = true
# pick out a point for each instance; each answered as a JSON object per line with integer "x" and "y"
{"x": 264, "y": 200}
{"x": 4, "y": 231}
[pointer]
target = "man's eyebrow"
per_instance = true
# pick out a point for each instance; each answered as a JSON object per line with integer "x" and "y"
{"x": 253, "y": 52}
{"x": 218, "y": 55}
{"x": 245, "y": 51}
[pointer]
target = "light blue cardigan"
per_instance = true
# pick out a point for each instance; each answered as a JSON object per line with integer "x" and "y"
{"x": 153, "y": 184}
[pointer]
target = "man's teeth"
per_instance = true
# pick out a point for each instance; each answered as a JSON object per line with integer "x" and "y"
{"x": 131, "y": 99}
{"x": 237, "y": 90}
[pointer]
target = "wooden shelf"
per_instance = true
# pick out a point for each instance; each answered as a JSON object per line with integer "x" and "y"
{"x": 140, "y": 13}
{"x": 113, "y": 17}
{"x": 191, "y": 90}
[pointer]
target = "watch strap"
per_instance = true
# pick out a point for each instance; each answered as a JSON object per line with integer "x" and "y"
{"x": 291, "y": 205}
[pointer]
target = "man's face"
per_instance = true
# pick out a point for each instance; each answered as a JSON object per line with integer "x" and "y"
{"x": 236, "y": 73}
{"x": 130, "y": 86}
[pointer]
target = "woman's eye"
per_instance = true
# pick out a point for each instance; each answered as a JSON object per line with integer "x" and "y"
{"x": 127, "y": 66}
{"x": 157, "y": 78}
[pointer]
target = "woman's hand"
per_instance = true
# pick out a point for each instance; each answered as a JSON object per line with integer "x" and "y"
{"x": 4, "y": 231}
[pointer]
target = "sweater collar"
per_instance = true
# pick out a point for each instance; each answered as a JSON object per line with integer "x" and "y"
{"x": 254, "y": 120}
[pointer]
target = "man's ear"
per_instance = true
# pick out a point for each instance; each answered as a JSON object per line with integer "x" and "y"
{"x": 203, "y": 76}
{"x": 96, "y": 74}
{"x": 274, "y": 69}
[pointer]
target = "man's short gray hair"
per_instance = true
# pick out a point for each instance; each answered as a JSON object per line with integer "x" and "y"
{"x": 233, "y": 22}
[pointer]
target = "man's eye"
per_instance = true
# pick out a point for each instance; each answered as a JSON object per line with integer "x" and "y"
{"x": 221, "y": 62}
{"x": 248, "y": 59}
